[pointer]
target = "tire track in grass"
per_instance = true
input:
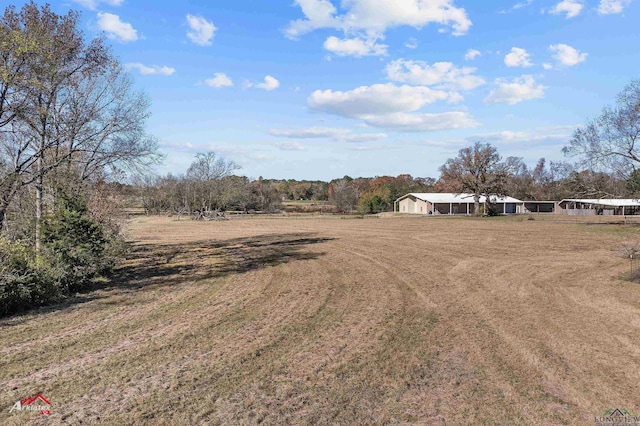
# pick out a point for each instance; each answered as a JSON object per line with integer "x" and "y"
{"x": 453, "y": 296}
{"x": 514, "y": 350}
{"x": 392, "y": 271}
{"x": 237, "y": 368}
{"x": 246, "y": 337}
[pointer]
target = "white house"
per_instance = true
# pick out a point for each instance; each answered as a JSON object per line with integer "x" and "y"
{"x": 437, "y": 203}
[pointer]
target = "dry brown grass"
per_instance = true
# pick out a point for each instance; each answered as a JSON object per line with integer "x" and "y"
{"x": 329, "y": 321}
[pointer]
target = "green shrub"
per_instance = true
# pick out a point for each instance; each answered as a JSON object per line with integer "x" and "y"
{"x": 372, "y": 204}
{"x": 76, "y": 245}
{"x": 76, "y": 251}
{"x": 14, "y": 256}
{"x": 23, "y": 284}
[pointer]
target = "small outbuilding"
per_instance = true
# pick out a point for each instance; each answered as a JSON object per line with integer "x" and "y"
{"x": 599, "y": 206}
{"x": 438, "y": 203}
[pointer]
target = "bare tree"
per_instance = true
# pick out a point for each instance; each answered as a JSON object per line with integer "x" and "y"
{"x": 610, "y": 141}
{"x": 343, "y": 195}
{"x": 558, "y": 174}
{"x": 594, "y": 184}
{"x": 62, "y": 56}
{"x": 102, "y": 125}
{"x": 477, "y": 170}
{"x": 205, "y": 174}
{"x": 77, "y": 116}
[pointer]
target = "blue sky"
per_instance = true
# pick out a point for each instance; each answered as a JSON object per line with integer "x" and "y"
{"x": 317, "y": 89}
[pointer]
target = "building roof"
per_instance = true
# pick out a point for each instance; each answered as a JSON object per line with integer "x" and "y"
{"x": 449, "y": 197}
{"x": 611, "y": 202}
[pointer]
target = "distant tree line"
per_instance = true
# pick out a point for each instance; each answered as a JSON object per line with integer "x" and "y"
{"x": 209, "y": 184}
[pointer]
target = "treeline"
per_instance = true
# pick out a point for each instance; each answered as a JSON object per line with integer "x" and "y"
{"x": 210, "y": 185}
{"x": 69, "y": 118}
{"x": 549, "y": 181}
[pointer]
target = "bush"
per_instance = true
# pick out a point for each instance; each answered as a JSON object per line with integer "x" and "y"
{"x": 76, "y": 245}
{"x": 23, "y": 284}
{"x": 76, "y": 251}
{"x": 372, "y": 204}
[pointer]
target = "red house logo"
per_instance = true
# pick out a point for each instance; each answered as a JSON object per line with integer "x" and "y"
{"x": 38, "y": 403}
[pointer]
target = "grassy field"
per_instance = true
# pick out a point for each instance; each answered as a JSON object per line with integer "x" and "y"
{"x": 330, "y": 321}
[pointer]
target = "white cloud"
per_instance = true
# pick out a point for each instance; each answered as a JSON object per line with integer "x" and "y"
{"x": 422, "y": 122}
{"x": 355, "y": 47}
{"x": 268, "y": 84}
{"x": 219, "y": 80}
{"x": 310, "y": 133}
{"x": 522, "y": 4}
{"x": 376, "y": 100}
{"x": 515, "y": 91}
{"x": 412, "y": 43}
{"x": 472, "y": 54}
{"x": 365, "y": 137}
{"x": 369, "y": 147}
{"x": 292, "y": 146}
{"x": 612, "y": 7}
{"x": 115, "y": 28}
{"x": 442, "y": 75}
{"x": 178, "y": 146}
{"x": 517, "y": 58}
{"x": 378, "y": 15}
{"x": 517, "y": 6}
{"x": 150, "y": 70}
{"x": 547, "y": 66}
{"x": 93, "y": 4}
{"x": 374, "y": 17}
{"x": 509, "y": 137}
{"x": 392, "y": 107}
{"x": 202, "y": 31}
{"x": 567, "y": 55}
{"x": 505, "y": 136}
{"x": 337, "y": 134}
{"x": 319, "y": 14}
{"x": 541, "y": 134}
{"x": 572, "y": 8}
